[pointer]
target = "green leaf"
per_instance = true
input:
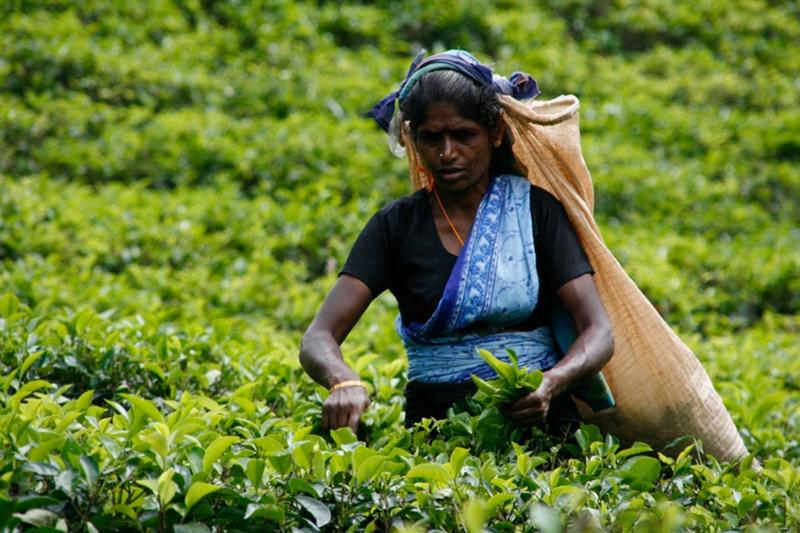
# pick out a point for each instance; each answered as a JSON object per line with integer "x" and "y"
{"x": 532, "y": 380}
{"x": 281, "y": 461}
{"x": 429, "y": 472}
{"x": 42, "y": 469}
{"x": 586, "y": 435}
{"x": 7, "y": 508}
{"x": 26, "y": 364}
{"x": 215, "y": 451}
{"x": 512, "y": 357}
{"x": 498, "y": 500}
{"x": 198, "y": 491}
{"x": 302, "y": 455}
{"x": 28, "y": 389}
{"x": 637, "y": 449}
{"x": 246, "y": 390}
{"x": 155, "y": 369}
{"x": 255, "y": 471}
{"x": 194, "y": 527}
{"x": 641, "y": 470}
{"x": 38, "y": 517}
{"x": 474, "y": 515}
{"x": 151, "y": 484}
{"x": 369, "y": 468}
{"x": 145, "y": 406}
{"x": 457, "y": 458}
{"x": 8, "y": 305}
{"x": 269, "y": 511}
{"x": 41, "y": 452}
{"x": 270, "y": 444}
{"x": 503, "y": 369}
{"x": 343, "y": 436}
{"x": 166, "y": 487}
{"x": 32, "y": 502}
{"x": 546, "y": 519}
{"x": 320, "y": 511}
{"x": 298, "y": 485}
{"x": 484, "y": 386}
{"x": 84, "y": 400}
{"x": 90, "y": 469}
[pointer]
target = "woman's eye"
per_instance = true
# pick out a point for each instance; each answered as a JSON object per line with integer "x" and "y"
{"x": 427, "y": 138}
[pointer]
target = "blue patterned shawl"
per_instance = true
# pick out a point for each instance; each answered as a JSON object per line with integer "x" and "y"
{"x": 494, "y": 285}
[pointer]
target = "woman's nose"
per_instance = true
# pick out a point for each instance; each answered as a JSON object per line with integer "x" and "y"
{"x": 448, "y": 149}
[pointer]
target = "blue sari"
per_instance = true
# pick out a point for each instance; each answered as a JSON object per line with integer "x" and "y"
{"x": 494, "y": 285}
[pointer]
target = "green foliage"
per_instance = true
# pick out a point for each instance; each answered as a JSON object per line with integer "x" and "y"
{"x": 180, "y": 181}
{"x": 512, "y": 382}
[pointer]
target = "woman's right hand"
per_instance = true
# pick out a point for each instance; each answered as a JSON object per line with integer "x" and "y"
{"x": 344, "y": 408}
{"x": 322, "y": 359}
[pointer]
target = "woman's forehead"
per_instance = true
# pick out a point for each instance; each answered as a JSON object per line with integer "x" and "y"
{"x": 445, "y": 116}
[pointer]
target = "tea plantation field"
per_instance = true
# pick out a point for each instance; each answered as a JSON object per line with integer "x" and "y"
{"x": 180, "y": 181}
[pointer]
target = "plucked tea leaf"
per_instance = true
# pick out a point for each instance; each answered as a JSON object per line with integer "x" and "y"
{"x": 503, "y": 369}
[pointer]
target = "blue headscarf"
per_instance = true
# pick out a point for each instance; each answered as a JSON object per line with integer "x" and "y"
{"x": 519, "y": 85}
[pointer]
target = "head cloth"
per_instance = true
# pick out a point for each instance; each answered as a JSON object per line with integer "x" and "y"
{"x": 519, "y": 85}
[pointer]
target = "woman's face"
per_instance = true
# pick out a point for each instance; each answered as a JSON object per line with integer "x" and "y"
{"x": 456, "y": 150}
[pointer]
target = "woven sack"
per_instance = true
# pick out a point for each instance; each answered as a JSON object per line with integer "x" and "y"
{"x": 662, "y": 391}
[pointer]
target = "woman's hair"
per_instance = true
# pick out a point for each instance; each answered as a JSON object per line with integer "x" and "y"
{"x": 472, "y": 101}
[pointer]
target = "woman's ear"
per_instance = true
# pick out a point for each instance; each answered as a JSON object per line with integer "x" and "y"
{"x": 499, "y": 130}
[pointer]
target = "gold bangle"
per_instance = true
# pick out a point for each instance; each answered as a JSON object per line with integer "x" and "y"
{"x": 348, "y": 383}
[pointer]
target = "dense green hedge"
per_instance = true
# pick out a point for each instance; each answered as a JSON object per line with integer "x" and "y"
{"x": 179, "y": 182}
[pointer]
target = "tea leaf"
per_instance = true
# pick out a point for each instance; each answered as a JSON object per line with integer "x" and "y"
{"x": 216, "y": 449}
{"x": 430, "y": 472}
{"x": 145, "y": 406}
{"x": 198, "y": 491}
{"x": 318, "y": 510}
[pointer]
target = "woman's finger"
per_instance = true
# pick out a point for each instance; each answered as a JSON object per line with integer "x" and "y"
{"x": 531, "y": 401}
{"x": 344, "y": 408}
{"x": 326, "y": 418}
{"x": 529, "y": 413}
{"x": 355, "y": 418}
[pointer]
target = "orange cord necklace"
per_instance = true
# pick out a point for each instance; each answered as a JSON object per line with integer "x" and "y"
{"x": 446, "y": 216}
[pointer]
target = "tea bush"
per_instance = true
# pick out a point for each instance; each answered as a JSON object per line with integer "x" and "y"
{"x": 180, "y": 182}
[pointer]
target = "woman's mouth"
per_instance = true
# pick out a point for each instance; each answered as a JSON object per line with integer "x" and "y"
{"x": 450, "y": 173}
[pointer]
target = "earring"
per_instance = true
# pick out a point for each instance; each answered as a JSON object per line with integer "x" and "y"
{"x": 441, "y": 156}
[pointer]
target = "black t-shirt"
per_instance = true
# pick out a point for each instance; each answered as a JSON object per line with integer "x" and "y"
{"x": 400, "y": 250}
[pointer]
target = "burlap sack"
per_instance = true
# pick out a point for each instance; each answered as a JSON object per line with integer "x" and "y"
{"x": 661, "y": 389}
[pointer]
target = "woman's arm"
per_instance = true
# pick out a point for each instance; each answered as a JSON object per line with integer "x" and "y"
{"x": 322, "y": 359}
{"x": 587, "y": 355}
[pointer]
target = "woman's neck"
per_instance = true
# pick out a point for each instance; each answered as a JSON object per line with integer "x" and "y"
{"x": 464, "y": 202}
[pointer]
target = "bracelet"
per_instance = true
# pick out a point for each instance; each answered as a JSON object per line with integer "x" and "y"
{"x": 348, "y": 383}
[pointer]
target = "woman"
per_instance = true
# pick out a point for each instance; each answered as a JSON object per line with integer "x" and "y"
{"x": 477, "y": 258}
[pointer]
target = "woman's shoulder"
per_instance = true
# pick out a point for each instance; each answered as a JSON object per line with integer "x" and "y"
{"x": 404, "y": 207}
{"x": 544, "y": 200}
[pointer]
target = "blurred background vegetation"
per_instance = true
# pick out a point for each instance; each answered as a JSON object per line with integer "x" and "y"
{"x": 200, "y": 161}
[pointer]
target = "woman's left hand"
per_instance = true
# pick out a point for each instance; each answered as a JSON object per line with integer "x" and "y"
{"x": 532, "y": 408}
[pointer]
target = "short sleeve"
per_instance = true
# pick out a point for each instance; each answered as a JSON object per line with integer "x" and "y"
{"x": 370, "y": 260}
{"x": 561, "y": 255}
